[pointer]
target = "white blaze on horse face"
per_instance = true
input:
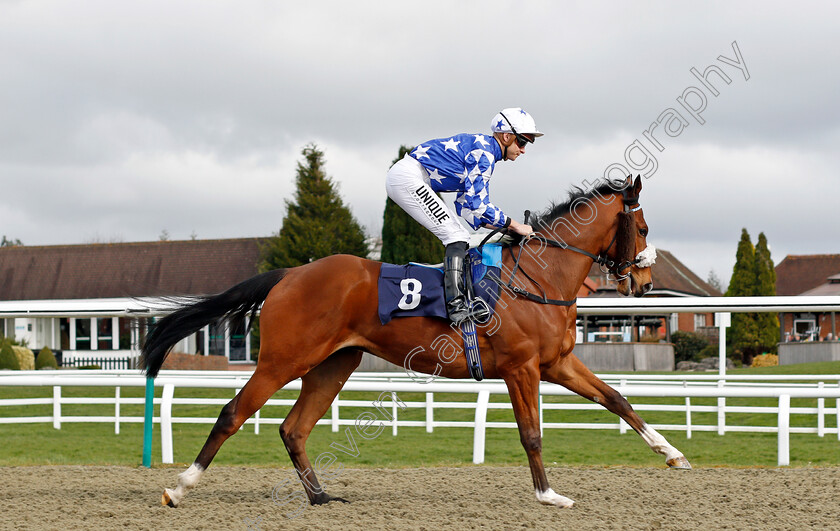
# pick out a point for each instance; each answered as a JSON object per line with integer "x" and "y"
{"x": 658, "y": 443}
{"x": 550, "y": 497}
{"x": 647, "y": 257}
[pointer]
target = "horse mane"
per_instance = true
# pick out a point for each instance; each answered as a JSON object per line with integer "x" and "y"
{"x": 546, "y": 218}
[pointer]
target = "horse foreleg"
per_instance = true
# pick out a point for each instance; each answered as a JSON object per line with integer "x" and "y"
{"x": 318, "y": 390}
{"x": 251, "y": 398}
{"x": 523, "y": 387}
{"x": 572, "y": 374}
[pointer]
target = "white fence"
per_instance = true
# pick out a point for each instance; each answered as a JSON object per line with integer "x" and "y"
{"x": 688, "y": 386}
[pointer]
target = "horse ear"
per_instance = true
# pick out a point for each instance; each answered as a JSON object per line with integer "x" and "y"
{"x": 637, "y": 187}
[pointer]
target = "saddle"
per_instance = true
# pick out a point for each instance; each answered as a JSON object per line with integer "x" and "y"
{"x": 416, "y": 290}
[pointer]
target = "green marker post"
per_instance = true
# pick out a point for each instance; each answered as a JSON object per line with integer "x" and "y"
{"x": 148, "y": 422}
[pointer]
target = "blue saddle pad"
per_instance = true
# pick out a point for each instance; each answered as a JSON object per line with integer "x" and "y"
{"x": 415, "y": 290}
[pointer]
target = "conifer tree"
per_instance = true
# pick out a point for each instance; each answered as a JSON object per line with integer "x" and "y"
{"x": 317, "y": 223}
{"x": 743, "y": 336}
{"x": 765, "y": 285}
{"x": 403, "y": 239}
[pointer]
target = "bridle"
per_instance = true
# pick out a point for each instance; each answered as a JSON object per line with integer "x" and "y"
{"x": 608, "y": 266}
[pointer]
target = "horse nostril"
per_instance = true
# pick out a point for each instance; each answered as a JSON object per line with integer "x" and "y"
{"x": 647, "y": 287}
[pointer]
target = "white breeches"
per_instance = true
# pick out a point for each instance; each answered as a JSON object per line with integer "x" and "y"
{"x": 407, "y": 184}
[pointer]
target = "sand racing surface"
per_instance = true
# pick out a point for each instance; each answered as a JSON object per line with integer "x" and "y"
{"x": 478, "y": 497}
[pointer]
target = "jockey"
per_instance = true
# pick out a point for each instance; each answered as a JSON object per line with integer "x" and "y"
{"x": 463, "y": 164}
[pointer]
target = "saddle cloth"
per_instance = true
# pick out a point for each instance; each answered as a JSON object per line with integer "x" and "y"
{"x": 416, "y": 290}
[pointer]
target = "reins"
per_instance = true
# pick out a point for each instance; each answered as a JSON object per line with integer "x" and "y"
{"x": 606, "y": 264}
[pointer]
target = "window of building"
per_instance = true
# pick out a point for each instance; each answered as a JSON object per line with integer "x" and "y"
{"x": 199, "y": 342}
{"x": 217, "y": 340}
{"x": 104, "y": 333}
{"x": 83, "y": 334}
{"x": 7, "y": 328}
{"x": 699, "y": 321}
{"x": 124, "y": 325}
{"x": 237, "y": 343}
{"x": 804, "y": 329}
{"x": 64, "y": 333}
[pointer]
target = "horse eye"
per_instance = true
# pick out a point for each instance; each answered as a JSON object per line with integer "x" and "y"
{"x": 643, "y": 232}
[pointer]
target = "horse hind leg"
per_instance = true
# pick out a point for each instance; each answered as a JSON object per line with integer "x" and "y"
{"x": 318, "y": 390}
{"x": 251, "y": 398}
{"x": 572, "y": 374}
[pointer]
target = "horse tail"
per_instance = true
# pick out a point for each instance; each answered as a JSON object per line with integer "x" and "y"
{"x": 193, "y": 313}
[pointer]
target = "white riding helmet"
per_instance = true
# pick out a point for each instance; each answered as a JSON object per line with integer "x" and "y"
{"x": 514, "y": 120}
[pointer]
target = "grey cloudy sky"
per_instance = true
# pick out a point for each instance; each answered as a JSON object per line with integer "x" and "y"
{"x": 122, "y": 119}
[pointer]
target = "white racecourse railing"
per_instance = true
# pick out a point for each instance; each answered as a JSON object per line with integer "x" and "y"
{"x": 385, "y": 410}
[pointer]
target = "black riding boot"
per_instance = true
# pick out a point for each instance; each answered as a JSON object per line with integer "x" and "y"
{"x": 453, "y": 282}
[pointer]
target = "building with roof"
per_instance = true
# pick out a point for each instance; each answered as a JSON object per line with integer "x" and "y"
{"x": 671, "y": 278}
{"x": 813, "y": 274}
{"x": 121, "y": 272}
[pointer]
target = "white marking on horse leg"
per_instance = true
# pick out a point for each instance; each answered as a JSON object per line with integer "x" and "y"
{"x": 186, "y": 480}
{"x": 550, "y": 497}
{"x": 658, "y": 443}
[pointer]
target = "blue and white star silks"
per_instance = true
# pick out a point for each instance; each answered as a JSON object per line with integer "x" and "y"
{"x": 464, "y": 163}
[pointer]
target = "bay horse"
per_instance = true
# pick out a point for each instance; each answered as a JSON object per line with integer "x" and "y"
{"x": 316, "y": 320}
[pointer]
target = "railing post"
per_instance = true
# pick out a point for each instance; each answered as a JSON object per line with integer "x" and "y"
{"x": 837, "y": 409}
{"x": 784, "y": 430}
{"x": 394, "y": 412}
{"x": 721, "y": 401}
{"x": 57, "y": 407}
{"x": 722, "y": 321}
{"x": 166, "y": 423}
{"x": 480, "y": 425}
{"x": 430, "y": 412}
{"x": 334, "y": 411}
{"x": 687, "y": 413}
{"x": 820, "y": 412}
{"x": 117, "y": 411}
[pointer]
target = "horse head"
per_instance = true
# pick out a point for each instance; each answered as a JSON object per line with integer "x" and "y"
{"x": 604, "y": 224}
{"x": 633, "y": 257}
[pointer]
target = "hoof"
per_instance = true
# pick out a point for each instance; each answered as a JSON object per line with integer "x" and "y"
{"x": 550, "y": 497}
{"x": 679, "y": 463}
{"x": 325, "y": 498}
{"x": 166, "y": 499}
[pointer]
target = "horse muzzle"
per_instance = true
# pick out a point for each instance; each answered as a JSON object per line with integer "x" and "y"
{"x": 639, "y": 291}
